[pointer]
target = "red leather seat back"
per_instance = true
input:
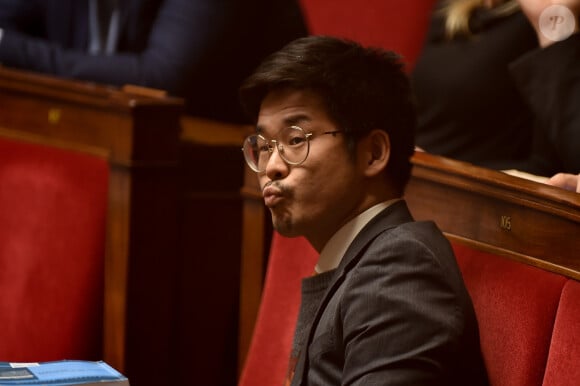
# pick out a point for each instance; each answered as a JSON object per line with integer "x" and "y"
{"x": 267, "y": 361}
{"x": 516, "y": 307}
{"x": 53, "y": 207}
{"x": 563, "y": 367}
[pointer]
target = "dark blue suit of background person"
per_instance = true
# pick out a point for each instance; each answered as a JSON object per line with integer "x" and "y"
{"x": 197, "y": 49}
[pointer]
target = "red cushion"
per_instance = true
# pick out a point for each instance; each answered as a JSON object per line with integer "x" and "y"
{"x": 392, "y": 24}
{"x": 267, "y": 361}
{"x": 516, "y": 306}
{"x": 563, "y": 368}
{"x": 52, "y": 231}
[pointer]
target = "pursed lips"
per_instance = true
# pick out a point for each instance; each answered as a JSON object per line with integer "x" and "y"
{"x": 272, "y": 194}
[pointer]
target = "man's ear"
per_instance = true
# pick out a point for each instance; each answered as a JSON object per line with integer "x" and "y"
{"x": 374, "y": 152}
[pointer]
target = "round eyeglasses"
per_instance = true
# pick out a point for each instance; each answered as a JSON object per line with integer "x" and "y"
{"x": 293, "y": 146}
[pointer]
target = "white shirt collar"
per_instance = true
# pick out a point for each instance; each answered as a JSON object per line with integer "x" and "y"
{"x": 336, "y": 247}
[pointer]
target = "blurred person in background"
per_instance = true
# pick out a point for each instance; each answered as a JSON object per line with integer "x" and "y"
{"x": 497, "y": 88}
{"x": 196, "y": 49}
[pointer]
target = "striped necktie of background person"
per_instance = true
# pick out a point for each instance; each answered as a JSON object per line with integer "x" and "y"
{"x": 104, "y": 20}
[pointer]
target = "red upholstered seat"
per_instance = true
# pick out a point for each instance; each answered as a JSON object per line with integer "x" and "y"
{"x": 267, "y": 361}
{"x": 52, "y": 230}
{"x": 563, "y": 367}
{"x": 516, "y": 307}
{"x": 392, "y": 24}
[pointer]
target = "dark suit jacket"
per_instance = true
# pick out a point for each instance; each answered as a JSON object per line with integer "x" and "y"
{"x": 549, "y": 81}
{"x": 396, "y": 313}
{"x": 197, "y": 49}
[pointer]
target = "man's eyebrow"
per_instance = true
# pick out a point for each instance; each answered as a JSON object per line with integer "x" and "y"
{"x": 291, "y": 120}
{"x": 294, "y": 120}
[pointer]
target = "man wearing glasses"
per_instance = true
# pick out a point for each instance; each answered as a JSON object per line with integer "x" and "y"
{"x": 388, "y": 306}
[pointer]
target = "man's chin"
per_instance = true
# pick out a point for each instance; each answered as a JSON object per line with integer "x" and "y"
{"x": 289, "y": 235}
{"x": 284, "y": 226}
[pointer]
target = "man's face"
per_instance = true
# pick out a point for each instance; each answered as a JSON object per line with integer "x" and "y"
{"x": 313, "y": 199}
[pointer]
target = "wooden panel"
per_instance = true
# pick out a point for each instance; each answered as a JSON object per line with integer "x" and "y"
{"x": 525, "y": 220}
{"x": 211, "y": 236}
{"x": 255, "y": 247}
{"x": 215, "y": 151}
{"x": 140, "y": 136}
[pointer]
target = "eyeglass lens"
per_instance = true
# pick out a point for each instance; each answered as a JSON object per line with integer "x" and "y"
{"x": 291, "y": 142}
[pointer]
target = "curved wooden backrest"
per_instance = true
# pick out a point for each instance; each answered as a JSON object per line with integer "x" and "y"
{"x": 527, "y": 221}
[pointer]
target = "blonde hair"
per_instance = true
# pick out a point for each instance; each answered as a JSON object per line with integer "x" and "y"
{"x": 458, "y": 12}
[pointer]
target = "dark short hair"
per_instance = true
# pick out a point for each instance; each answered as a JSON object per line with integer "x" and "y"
{"x": 362, "y": 88}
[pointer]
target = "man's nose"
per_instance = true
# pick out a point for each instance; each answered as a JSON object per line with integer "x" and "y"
{"x": 276, "y": 167}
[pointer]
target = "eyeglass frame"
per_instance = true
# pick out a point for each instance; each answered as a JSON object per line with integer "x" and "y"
{"x": 308, "y": 137}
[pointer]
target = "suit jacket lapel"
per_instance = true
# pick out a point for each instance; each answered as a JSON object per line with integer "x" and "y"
{"x": 394, "y": 215}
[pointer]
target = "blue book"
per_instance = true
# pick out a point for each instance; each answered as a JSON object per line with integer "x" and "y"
{"x": 61, "y": 373}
